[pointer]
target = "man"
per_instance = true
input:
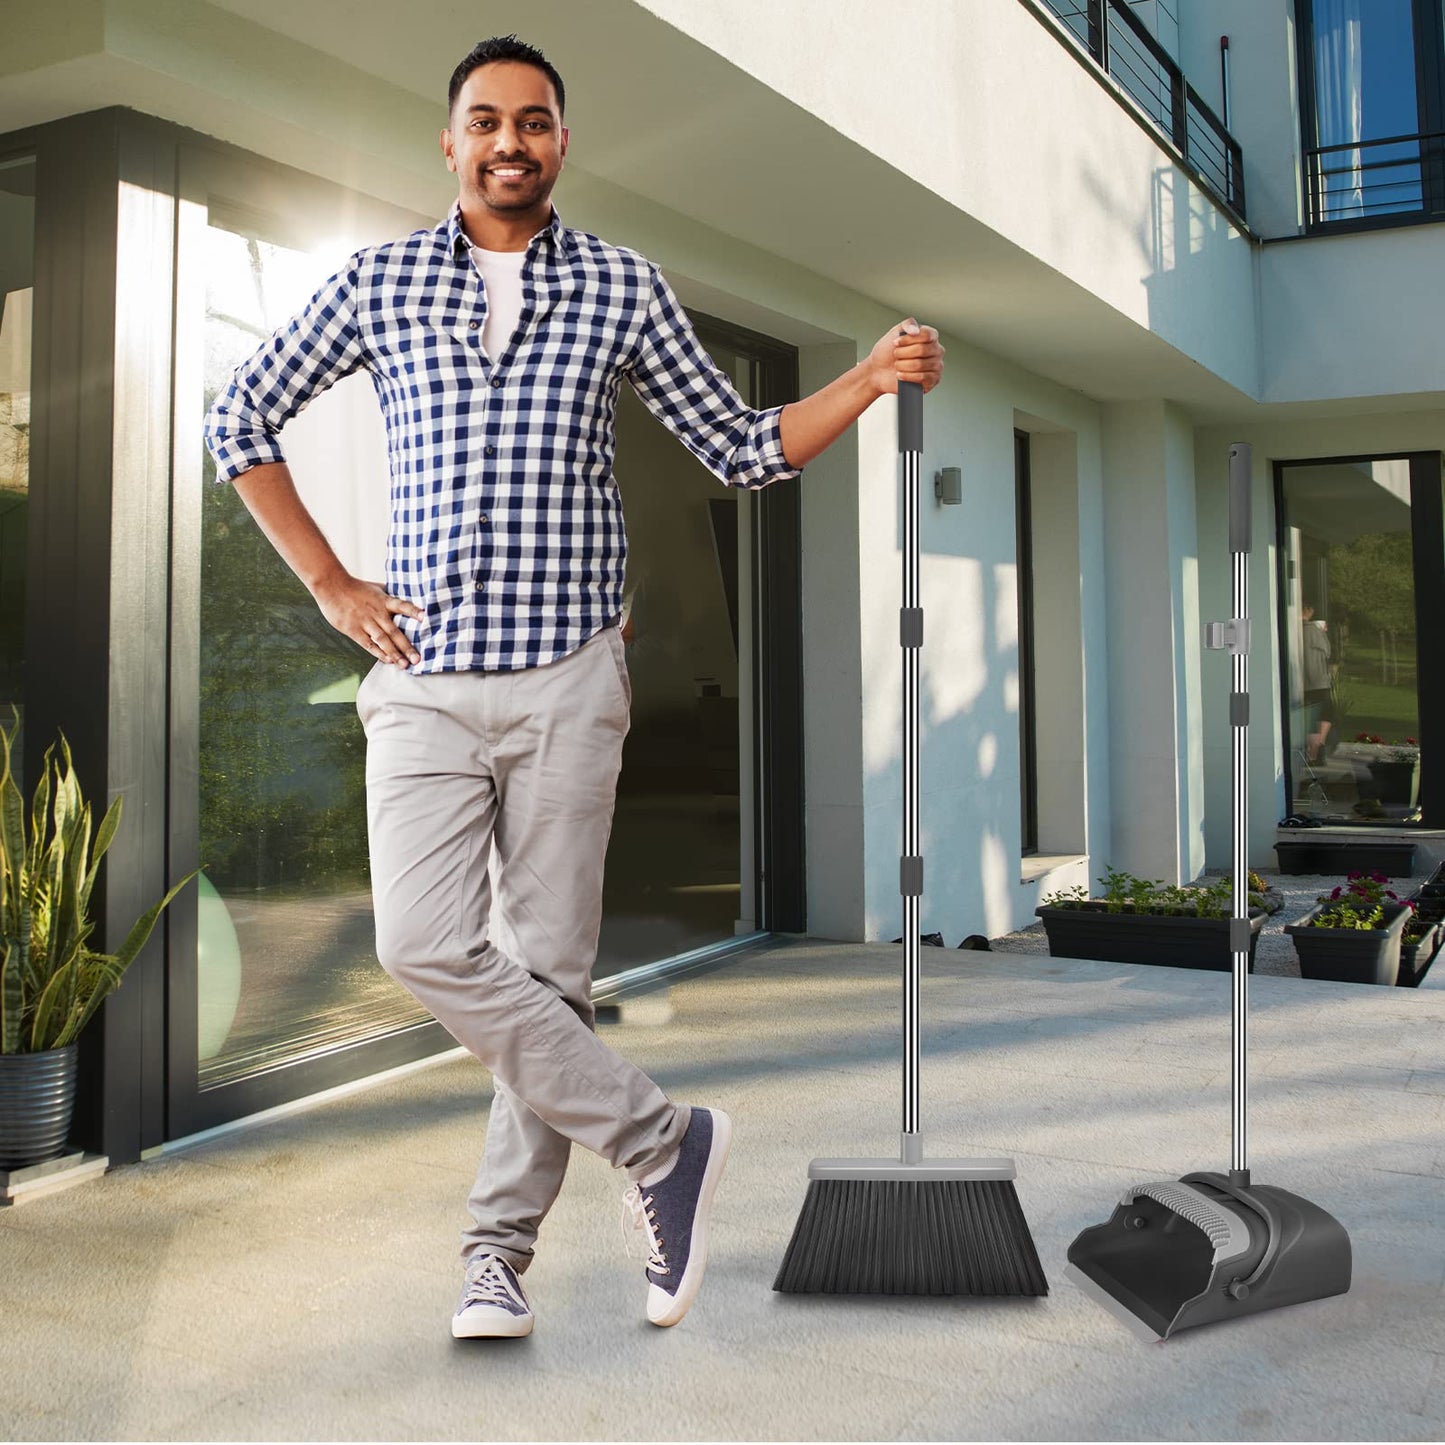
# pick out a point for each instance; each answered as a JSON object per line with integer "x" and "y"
{"x": 498, "y": 702}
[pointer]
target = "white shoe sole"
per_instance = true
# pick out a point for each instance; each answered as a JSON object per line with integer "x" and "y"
{"x": 493, "y": 1325}
{"x": 677, "y": 1305}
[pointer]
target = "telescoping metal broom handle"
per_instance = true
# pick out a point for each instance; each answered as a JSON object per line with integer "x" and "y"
{"x": 1241, "y": 465}
{"x": 910, "y": 868}
{"x": 1234, "y": 635}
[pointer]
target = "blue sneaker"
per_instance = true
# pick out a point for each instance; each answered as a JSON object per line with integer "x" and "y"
{"x": 674, "y": 1213}
{"x": 493, "y": 1304}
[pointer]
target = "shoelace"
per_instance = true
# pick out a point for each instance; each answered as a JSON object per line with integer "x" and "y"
{"x": 489, "y": 1285}
{"x": 642, "y": 1218}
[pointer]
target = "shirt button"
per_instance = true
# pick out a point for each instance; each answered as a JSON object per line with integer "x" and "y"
{"x": 490, "y": 450}
{"x": 481, "y": 586}
{"x": 485, "y": 519}
{"x": 497, "y": 382}
{"x": 472, "y": 325}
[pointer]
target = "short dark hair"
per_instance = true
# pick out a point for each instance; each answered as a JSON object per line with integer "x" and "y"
{"x": 504, "y": 47}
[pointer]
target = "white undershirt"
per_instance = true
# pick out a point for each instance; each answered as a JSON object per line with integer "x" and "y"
{"x": 501, "y": 273}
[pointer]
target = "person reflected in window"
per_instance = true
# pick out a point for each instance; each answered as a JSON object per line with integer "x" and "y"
{"x": 1318, "y": 679}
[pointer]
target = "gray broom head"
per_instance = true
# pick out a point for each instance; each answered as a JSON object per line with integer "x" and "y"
{"x": 875, "y": 1226}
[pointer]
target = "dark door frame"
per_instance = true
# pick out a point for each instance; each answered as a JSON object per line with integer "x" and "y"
{"x": 777, "y": 551}
{"x": 1427, "y": 517}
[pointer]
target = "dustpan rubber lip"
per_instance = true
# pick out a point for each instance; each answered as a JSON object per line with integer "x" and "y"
{"x": 1126, "y": 1317}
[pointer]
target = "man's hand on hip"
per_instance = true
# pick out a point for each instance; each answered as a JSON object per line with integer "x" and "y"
{"x": 907, "y": 352}
{"x": 367, "y": 614}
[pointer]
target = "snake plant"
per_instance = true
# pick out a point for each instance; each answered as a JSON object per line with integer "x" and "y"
{"x": 51, "y": 981}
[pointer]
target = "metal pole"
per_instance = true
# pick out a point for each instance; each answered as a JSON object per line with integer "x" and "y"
{"x": 1241, "y": 461}
{"x": 910, "y": 868}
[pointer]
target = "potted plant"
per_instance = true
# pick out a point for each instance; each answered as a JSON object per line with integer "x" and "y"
{"x": 1140, "y": 920}
{"x": 51, "y": 980}
{"x": 1353, "y": 936}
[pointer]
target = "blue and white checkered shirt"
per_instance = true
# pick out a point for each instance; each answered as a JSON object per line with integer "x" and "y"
{"x": 506, "y": 524}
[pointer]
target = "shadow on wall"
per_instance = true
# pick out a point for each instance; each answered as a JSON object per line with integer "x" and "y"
{"x": 969, "y": 758}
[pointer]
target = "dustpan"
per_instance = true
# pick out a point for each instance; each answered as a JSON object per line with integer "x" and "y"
{"x": 1213, "y": 1246}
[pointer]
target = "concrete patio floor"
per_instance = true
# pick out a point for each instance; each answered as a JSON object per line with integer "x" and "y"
{"x": 294, "y": 1280}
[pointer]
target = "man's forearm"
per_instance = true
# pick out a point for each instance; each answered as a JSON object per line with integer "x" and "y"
{"x": 270, "y": 494}
{"x": 812, "y": 425}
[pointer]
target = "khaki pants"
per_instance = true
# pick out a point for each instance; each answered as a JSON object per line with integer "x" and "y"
{"x": 526, "y": 762}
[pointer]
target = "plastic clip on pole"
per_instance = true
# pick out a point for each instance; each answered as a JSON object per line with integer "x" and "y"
{"x": 910, "y": 869}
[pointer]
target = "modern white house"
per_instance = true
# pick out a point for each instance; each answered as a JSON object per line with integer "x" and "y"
{"x": 1146, "y": 230}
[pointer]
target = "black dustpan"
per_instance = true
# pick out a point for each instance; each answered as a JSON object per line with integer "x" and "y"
{"x": 1212, "y": 1247}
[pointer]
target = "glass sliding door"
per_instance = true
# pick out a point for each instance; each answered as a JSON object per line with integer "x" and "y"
{"x": 273, "y": 801}
{"x": 17, "y": 264}
{"x": 1350, "y": 616}
{"x": 682, "y": 864}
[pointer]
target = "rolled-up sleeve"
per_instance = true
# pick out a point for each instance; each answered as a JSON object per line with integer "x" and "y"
{"x": 677, "y": 380}
{"x": 310, "y": 353}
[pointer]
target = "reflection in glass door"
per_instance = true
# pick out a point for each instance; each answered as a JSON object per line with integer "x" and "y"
{"x": 17, "y": 263}
{"x": 1352, "y": 663}
{"x": 681, "y": 867}
{"x": 286, "y": 967}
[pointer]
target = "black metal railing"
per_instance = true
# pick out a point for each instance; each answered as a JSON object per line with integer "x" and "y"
{"x": 1151, "y": 78}
{"x": 1366, "y": 179}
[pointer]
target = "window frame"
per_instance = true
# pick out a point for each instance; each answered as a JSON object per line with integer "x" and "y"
{"x": 1429, "y": 39}
{"x": 1427, "y": 519}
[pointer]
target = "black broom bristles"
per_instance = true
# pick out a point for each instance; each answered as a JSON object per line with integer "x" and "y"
{"x": 911, "y": 1237}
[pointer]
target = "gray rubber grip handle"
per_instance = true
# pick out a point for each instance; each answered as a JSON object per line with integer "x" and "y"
{"x": 1241, "y": 479}
{"x": 910, "y": 416}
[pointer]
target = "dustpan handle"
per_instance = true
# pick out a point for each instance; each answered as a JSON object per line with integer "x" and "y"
{"x": 910, "y": 866}
{"x": 1241, "y": 469}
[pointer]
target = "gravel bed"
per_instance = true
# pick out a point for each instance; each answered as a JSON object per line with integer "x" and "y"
{"x": 1274, "y": 953}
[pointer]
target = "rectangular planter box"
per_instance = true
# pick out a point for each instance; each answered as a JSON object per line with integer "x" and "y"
{"x": 1416, "y": 958}
{"x": 1143, "y": 937}
{"x": 1434, "y": 885}
{"x": 1350, "y": 955}
{"x": 1337, "y": 857}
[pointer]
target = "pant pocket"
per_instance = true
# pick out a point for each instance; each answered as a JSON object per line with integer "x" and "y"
{"x": 618, "y": 649}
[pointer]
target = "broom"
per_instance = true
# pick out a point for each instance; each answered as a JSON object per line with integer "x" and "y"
{"x": 911, "y": 1225}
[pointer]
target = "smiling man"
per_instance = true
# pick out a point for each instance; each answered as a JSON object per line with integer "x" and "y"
{"x": 497, "y": 705}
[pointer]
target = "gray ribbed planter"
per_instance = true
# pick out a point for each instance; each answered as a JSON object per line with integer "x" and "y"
{"x": 1350, "y": 955}
{"x": 37, "y": 1093}
{"x": 1416, "y": 958}
{"x": 1180, "y": 942}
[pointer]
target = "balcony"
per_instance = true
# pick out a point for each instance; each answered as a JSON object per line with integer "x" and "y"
{"x": 1367, "y": 183}
{"x": 1148, "y": 79}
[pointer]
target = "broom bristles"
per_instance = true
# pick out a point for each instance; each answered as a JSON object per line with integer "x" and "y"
{"x": 911, "y": 1237}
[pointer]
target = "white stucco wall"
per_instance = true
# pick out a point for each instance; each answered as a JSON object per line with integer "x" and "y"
{"x": 1263, "y": 93}
{"x": 1354, "y": 316}
{"x": 1005, "y": 124}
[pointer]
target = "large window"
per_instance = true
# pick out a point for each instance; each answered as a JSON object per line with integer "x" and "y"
{"x": 1372, "y": 82}
{"x": 17, "y": 259}
{"x": 1361, "y": 575}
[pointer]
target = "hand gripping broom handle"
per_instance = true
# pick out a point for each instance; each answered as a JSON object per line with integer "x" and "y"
{"x": 910, "y": 867}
